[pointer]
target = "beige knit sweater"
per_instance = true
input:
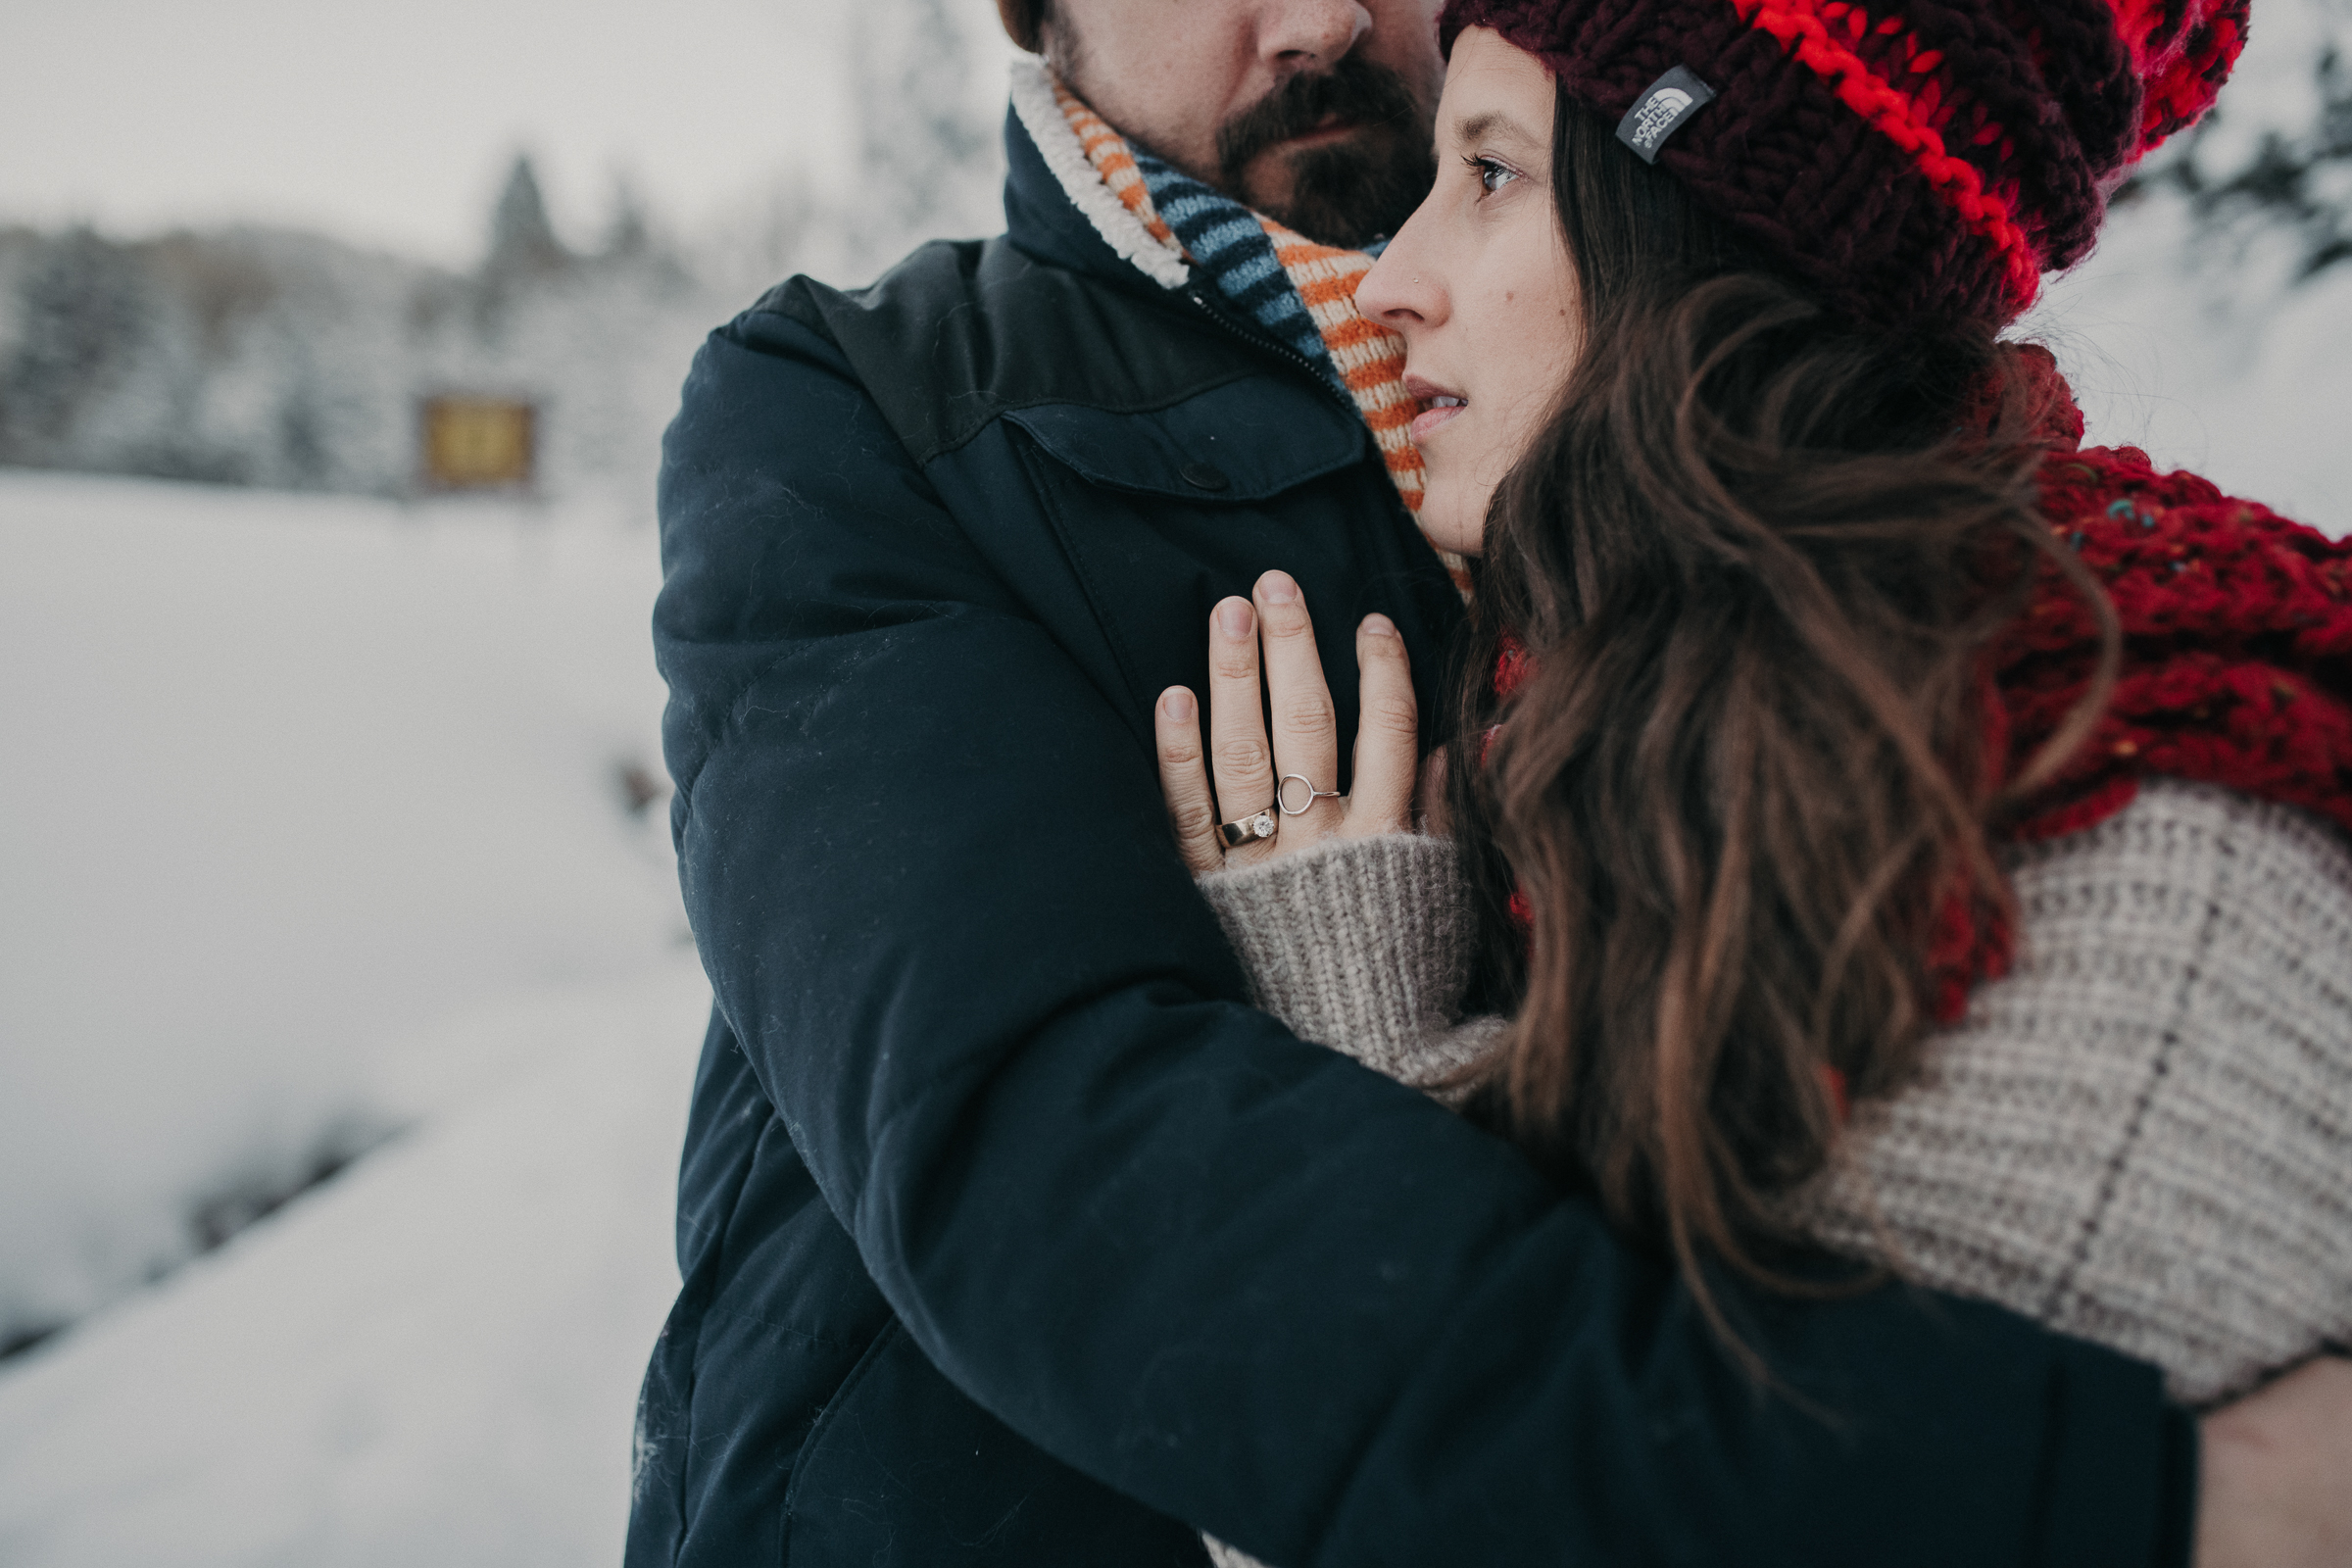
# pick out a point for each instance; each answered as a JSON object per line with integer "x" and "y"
{"x": 2142, "y": 1136}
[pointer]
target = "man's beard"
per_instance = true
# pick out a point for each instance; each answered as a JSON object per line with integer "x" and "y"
{"x": 1348, "y": 193}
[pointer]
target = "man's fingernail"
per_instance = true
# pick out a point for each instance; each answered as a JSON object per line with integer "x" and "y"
{"x": 1233, "y": 619}
{"x": 1379, "y": 626}
{"x": 1278, "y": 588}
{"x": 1177, "y": 706}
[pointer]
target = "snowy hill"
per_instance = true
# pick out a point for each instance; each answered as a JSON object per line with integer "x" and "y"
{"x": 430, "y": 1362}
{"x": 291, "y": 780}
{"x": 319, "y": 828}
{"x": 433, "y": 1360}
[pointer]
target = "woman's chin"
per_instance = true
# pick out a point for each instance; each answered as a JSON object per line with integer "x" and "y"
{"x": 1452, "y": 520}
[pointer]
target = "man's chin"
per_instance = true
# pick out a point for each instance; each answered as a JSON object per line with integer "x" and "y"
{"x": 1342, "y": 190}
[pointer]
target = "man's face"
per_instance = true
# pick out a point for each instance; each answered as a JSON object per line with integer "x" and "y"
{"x": 1314, "y": 112}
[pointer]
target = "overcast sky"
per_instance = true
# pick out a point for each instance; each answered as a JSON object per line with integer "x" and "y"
{"x": 391, "y": 124}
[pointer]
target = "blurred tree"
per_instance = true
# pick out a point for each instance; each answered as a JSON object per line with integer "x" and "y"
{"x": 629, "y": 231}
{"x": 635, "y": 242}
{"x": 928, "y": 156}
{"x": 82, "y": 312}
{"x": 522, "y": 239}
{"x": 2277, "y": 155}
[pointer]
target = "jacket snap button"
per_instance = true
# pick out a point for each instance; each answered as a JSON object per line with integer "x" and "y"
{"x": 1204, "y": 477}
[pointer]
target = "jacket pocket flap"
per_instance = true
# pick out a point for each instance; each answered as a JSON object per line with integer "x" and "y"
{"x": 1246, "y": 440}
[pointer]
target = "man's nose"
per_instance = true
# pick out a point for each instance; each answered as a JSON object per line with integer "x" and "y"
{"x": 1297, "y": 35}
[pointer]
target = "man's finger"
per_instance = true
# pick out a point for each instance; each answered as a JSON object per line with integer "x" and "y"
{"x": 1183, "y": 780}
{"x": 1387, "y": 740}
{"x": 1241, "y": 762}
{"x": 1306, "y": 728}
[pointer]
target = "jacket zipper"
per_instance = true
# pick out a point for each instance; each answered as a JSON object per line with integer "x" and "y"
{"x": 1235, "y": 327}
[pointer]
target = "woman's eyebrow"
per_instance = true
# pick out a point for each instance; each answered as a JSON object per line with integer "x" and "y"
{"x": 1491, "y": 121}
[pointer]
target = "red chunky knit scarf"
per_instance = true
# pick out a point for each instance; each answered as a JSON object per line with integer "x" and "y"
{"x": 2236, "y": 663}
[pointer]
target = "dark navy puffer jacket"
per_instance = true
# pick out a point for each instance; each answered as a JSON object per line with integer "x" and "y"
{"x": 1010, "y": 1234}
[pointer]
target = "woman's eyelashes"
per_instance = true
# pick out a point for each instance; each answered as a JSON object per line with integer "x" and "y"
{"x": 1492, "y": 174}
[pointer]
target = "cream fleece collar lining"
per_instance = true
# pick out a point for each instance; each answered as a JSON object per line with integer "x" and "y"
{"x": 1049, "y": 129}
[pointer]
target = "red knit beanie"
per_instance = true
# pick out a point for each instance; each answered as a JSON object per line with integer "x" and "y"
{"x": 1914, "y": 159}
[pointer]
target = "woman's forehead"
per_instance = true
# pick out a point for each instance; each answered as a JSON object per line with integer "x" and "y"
{"x": 1494, "y": 91}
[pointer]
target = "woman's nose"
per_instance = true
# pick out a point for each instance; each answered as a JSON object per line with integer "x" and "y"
{"x": 1400, "y": 292}
{"x": 1294, "y": 35}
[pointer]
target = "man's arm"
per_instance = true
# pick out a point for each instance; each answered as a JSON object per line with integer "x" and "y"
{"x": 1237, "y": 1276}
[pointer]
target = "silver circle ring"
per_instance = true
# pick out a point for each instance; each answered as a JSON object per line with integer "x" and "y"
{"x": 1282, "y": 795}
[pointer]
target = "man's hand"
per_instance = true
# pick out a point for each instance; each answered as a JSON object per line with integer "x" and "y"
{"x": 2275, "y": 1486}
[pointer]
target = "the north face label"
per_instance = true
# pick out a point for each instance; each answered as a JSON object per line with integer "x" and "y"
{"x": 1660, "y": 112}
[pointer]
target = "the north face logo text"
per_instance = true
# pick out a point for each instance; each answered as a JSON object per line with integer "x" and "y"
{"x": 1660, "y": 112}
{"x": 1650, "y": 120}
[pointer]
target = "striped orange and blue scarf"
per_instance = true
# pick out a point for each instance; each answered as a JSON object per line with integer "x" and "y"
{"x": 1300, "y": 293}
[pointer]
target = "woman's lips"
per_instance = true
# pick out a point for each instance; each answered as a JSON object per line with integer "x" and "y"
{"x": 1438, "y": 406}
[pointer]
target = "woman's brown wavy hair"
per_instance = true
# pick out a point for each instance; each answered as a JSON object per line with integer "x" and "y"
{"x": 1756, "y": 559}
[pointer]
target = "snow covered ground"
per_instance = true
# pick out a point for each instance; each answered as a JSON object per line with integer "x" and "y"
{"x": 290, "y": 780}
{"x": 313, "y": 828}
{"x": 431, "y": 1361}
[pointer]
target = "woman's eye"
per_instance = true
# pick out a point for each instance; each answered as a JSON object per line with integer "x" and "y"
{"x": 1492, "y": 175}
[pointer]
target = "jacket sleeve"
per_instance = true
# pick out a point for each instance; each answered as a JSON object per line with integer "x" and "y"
{"x": 1238, "y": 1276}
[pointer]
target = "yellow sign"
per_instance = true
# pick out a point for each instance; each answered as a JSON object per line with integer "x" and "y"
{"x": 478, "y": 443}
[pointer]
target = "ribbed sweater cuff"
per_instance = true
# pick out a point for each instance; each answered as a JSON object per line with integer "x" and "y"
{"x": 1361, "y": 944}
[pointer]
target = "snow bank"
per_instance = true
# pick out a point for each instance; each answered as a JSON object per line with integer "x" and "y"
{"x": 433, "y": 1360}
{"x": 289, "y": 779}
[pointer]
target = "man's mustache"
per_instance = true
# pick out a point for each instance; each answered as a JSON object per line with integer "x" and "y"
{"x": 1355, "y": 89}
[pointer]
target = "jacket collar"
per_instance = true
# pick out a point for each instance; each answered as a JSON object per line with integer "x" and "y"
{"x": 1057, "y": 207}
